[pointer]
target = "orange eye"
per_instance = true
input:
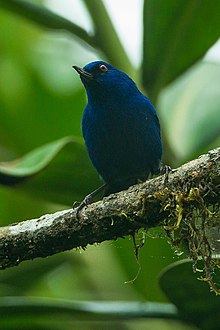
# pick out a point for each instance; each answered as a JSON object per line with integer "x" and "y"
{"x": 103, "y": 68}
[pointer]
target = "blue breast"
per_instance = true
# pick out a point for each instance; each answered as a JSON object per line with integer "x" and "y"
{"x": 123, "y": 145}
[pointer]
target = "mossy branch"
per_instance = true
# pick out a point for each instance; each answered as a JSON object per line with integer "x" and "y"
{"x": 193, "y": 186}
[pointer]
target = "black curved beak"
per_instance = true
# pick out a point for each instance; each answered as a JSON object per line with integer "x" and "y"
{"x": 82, "y": 72}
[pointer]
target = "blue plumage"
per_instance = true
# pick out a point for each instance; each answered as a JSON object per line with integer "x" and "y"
{"x": 120, "y": 127}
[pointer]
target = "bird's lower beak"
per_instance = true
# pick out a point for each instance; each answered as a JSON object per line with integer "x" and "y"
{"x": 82, "y": 72}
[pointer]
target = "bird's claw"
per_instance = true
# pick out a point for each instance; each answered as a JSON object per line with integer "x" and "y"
{"x": 75, "y": 204}
{"x": 165, "y": 169}
{"x": 87, "y": 200}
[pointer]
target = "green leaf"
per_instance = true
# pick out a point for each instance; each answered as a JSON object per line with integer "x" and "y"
{"x": 107, "y": 38}
{"x": 89, "y": 311}
{"x": 105, "y": 34}
{"x": 190, "y": 110}
{"x": 155, "y": 253}
{"x": 46, "y": 18}
{"x": 31, "y": 113}
{"x": 192, "y": 297}
{"x": 176, "y": 35}
{"x": 28, "y": 279}
{"x": 59, "y": 171}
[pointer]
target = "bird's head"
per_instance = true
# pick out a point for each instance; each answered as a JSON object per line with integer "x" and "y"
{"x": 101, "y": 78}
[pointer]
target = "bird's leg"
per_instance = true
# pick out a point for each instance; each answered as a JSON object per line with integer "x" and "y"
{"x": 165, "y": 169}
{"x": 89, "y": 198}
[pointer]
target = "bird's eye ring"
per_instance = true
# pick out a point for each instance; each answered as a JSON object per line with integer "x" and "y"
{"x": 103, "y": 67}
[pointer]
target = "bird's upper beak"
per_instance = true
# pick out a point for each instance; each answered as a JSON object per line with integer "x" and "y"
{"x": 82, "y": 72}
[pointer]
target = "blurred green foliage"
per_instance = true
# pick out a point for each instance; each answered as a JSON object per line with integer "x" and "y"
{"x": 41, "y": 104}
{"x": 194, "y": 301}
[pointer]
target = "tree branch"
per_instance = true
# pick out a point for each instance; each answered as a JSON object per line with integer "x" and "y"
{"x": 152, "y": 203}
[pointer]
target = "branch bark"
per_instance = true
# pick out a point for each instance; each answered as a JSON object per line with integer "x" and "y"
{"x": 149, "y": 204}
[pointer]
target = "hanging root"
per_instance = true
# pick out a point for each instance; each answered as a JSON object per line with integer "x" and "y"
{"x": 137, "y": 248}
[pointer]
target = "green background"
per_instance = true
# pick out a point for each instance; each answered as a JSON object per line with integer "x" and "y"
{"x": 41, "y": 105}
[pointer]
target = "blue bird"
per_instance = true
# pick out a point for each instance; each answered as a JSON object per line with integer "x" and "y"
{"x": 120, "y": 127}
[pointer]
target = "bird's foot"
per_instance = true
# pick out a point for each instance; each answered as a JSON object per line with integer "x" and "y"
{"x": 165, "y": 169}
{"x": 76, "y": 204}
{"x": 88, "y": 199}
